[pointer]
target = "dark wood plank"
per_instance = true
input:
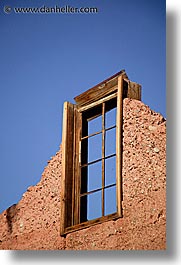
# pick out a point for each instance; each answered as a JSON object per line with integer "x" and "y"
{"x": 77, "y": 165}
{"x": 67, "y": 166}
{"x": 103, "y": 154}
{"x": 119, "y": 124}
{"x": 134, "y": 90}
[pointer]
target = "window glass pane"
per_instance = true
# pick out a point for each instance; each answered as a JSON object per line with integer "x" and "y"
{"x": 110, "y": 118}
{"x": 95, "y": 125}
{"x": 110, "y": 200}
{"x": 94, "y": 147}
{"x": 110, "y": 142}
{"x": 110, "y": 170}
{"x": 83, "y": 208}
{"x": 94, "y": 176}
{"x": 94, "y": 205}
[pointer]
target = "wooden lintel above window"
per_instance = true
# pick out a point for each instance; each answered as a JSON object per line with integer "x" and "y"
{"x": 108, "y": 86}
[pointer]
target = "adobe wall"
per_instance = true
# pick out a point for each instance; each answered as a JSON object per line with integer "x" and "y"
{"x": 34, "y": 222}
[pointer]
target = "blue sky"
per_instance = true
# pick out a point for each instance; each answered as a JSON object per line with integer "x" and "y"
{"x": 46, "y": 59}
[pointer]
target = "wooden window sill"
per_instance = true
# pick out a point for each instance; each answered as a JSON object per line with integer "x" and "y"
{"x": 87, "y": 224}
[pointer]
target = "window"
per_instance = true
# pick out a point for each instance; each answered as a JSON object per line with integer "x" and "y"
{"x": 98, "y": 161}
{"x": 92, "y": 154}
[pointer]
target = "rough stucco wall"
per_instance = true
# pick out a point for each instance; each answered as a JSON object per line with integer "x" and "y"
{"x": 34, "y": 222}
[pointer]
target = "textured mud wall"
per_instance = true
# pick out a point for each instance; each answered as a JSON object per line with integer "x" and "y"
{"x": 34, "y": 222}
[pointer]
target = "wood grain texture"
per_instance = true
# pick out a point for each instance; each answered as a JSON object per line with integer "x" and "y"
{"x": 67, "y": 166}
{"x": 119, "y": 124}
{"x": 99, "y": 91}
{"x": 134, "y": 90}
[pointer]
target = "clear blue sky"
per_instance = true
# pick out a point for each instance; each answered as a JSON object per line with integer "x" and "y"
{"x": 46, "y": 59}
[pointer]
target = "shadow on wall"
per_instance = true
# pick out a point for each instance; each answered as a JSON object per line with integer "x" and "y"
{"x": 11, "y": 212}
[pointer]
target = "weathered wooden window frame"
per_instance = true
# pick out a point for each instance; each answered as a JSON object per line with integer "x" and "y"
{"x": 118, "y": 86}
